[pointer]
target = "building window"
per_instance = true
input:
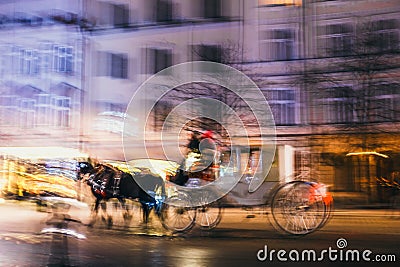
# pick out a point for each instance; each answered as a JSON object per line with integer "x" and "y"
{"x": 386, "y": 35}
{"x": 158, "y": 59}
{"x": 29, "y": 62}
{"x": 212, "y": 8}
{"x": 278, "y": 44}
{"x": 43, "y": 109}
{"x": 207, "y": 53}
{"x": 119, "y": 66}
{"x": 204, "y": 52}
{"x": 61, "y": 111}
{"x": 336, "y": 40}
{"x": 26, "y": 112}
{"x": 338, "y": 105}
{"x": 46, "y": 56}
{"x": 63, "y": 59}
{"x": 16, "y": 60}
{"x": 282, "y": 103}
{"x": 120, "y": 15}
{"x": 112, "y": 65}
{"x": 112, "y": 15}
{"x": 8, "y": 109}
{"x": 163, "y": 11}
{"x": 385, "y": 103}
{"x": 161, "y": 110}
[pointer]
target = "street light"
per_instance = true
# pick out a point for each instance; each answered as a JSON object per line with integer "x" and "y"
{"x": 367, "y": 153}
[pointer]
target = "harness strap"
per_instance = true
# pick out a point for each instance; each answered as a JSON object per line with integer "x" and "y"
{"x": 117, "y": 181}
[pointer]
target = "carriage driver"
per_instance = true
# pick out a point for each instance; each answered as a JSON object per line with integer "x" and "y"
{"x": 208, "y": 149}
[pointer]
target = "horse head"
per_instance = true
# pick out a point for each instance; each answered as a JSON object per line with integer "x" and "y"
{"x": 84, "y": 168}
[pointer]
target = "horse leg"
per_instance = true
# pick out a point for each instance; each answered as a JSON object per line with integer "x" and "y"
{"x": 107, "y": 219}
{"x": 146, "y": 213}
{"x": 95, "y": 212}
{"x": 126, "y": 211}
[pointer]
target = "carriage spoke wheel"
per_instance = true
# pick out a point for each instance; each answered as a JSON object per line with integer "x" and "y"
{"x": 177, "y": 216}
{"x": 209, "y": 213}
{"x": 209, "y": 216}
{"x": 297, "y": 208}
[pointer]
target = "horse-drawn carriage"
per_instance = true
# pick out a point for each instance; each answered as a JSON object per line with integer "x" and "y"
{"x": 297, "y": 206}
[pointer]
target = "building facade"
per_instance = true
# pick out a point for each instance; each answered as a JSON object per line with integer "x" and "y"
{"x": 40, "y": 73}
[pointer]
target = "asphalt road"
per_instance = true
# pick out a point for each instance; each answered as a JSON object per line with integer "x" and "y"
{"x": 243, "y": 238}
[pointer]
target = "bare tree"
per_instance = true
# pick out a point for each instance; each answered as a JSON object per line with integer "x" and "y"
{"x": 228, "y": 53}
{"x": 358, "y": 93}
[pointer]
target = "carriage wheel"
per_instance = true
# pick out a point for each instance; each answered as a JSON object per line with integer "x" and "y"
{"x": 298, "y": 208}
{"x": 210, "y": 213}
{"x": 328, "y": 203}
{"x": 177, "y": 216}
{"x": 209, "y": 216}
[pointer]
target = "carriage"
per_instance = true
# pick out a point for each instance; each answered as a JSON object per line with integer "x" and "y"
{"x": 297, "y": 206}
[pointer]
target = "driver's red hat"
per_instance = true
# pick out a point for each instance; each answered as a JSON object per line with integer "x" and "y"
{"x": 207, "y": 134}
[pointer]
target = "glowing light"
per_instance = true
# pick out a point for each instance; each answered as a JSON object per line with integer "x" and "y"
{"x": 160, "y": 167}
{"x": 280, "y": 2}
{"x": 63, "y": 232}
{"x": 367, "y": 153}
{"x": 36, "y": 153}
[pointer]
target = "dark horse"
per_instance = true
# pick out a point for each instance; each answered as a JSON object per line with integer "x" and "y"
{"x": 108, "y": 182}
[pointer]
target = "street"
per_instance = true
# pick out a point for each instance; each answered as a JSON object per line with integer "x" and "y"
{"x": 243, "y": 238}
